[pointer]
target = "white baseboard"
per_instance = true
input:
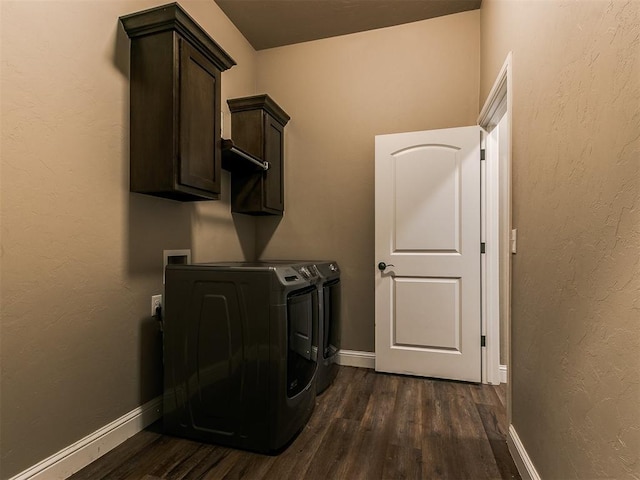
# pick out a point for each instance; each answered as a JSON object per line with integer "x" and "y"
{"x": 77, "y": 456}
{"x": 520, "y": 456}
{"x": 354, "y": 358}
{"x": 503, "y": 374}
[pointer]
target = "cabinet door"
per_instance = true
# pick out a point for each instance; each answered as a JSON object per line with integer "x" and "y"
{"x": 199, "y": 145}
{"x": 274, "y": 154}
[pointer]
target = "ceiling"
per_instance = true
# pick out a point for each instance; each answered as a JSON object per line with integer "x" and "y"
{"x": 273, "y": 23}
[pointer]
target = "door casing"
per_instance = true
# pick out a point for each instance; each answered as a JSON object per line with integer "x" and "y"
{"x": 499, "y": 104}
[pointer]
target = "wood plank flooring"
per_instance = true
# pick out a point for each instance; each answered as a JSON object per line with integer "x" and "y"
{"x": 367, "y": 425}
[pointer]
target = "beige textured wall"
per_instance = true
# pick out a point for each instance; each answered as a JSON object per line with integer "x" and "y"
{"x": 81, "y": 255}
{"x": 340, "y": 93}
{"x": 576, "y": 182}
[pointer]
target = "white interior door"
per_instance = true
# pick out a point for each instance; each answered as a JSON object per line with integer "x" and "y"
{"x": 427, "y": 232}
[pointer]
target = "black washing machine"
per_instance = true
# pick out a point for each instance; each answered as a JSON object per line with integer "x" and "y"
{"x": 238, "y": 352}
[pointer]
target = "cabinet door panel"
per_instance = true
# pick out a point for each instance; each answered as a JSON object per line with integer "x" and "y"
{"x": 199, "y": 124}
{"x": 274, "y": 177}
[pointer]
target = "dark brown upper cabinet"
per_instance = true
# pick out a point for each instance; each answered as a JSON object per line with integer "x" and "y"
{"x": 257, "y": 129}
{"x": 175, "y": 105}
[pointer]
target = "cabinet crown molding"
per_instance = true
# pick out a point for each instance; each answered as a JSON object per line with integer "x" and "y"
{"x": 256, "y": 102}
{"x": 172, "y": 17}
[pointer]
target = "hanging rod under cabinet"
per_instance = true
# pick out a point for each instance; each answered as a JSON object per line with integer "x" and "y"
{"x": 259, "y": 163}
{"x": 228, "y": 146}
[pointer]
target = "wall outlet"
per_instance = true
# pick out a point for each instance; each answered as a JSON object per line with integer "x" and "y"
{"x": 514, "y": 240}
{"x": 156, "y": 301}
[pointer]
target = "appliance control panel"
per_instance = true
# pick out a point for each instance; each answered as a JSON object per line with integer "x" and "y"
{"x": 309, "y": 272}
{"x": 289, "y": 275}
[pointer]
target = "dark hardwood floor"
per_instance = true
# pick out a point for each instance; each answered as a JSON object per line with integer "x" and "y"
{"x": 366, "y": 426}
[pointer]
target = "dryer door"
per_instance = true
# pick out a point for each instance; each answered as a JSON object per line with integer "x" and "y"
{"x": 302, "y": 313}
{"x": 331, "y": 321}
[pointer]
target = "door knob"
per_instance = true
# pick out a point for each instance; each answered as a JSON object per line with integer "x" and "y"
{"x": 382, "y": 266}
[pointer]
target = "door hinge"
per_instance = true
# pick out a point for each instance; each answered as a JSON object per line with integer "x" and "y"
{"x": 482, "y": 154}
{"x": 483, "y": 247}
{"x": 483, "y": 341}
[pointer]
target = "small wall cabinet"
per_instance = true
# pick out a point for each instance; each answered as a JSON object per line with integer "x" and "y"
{"x": 257, "y": 128}
{"x": 175, "y": 105}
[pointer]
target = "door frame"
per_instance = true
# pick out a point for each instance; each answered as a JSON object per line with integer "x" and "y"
{"x": 499, "y": 103}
